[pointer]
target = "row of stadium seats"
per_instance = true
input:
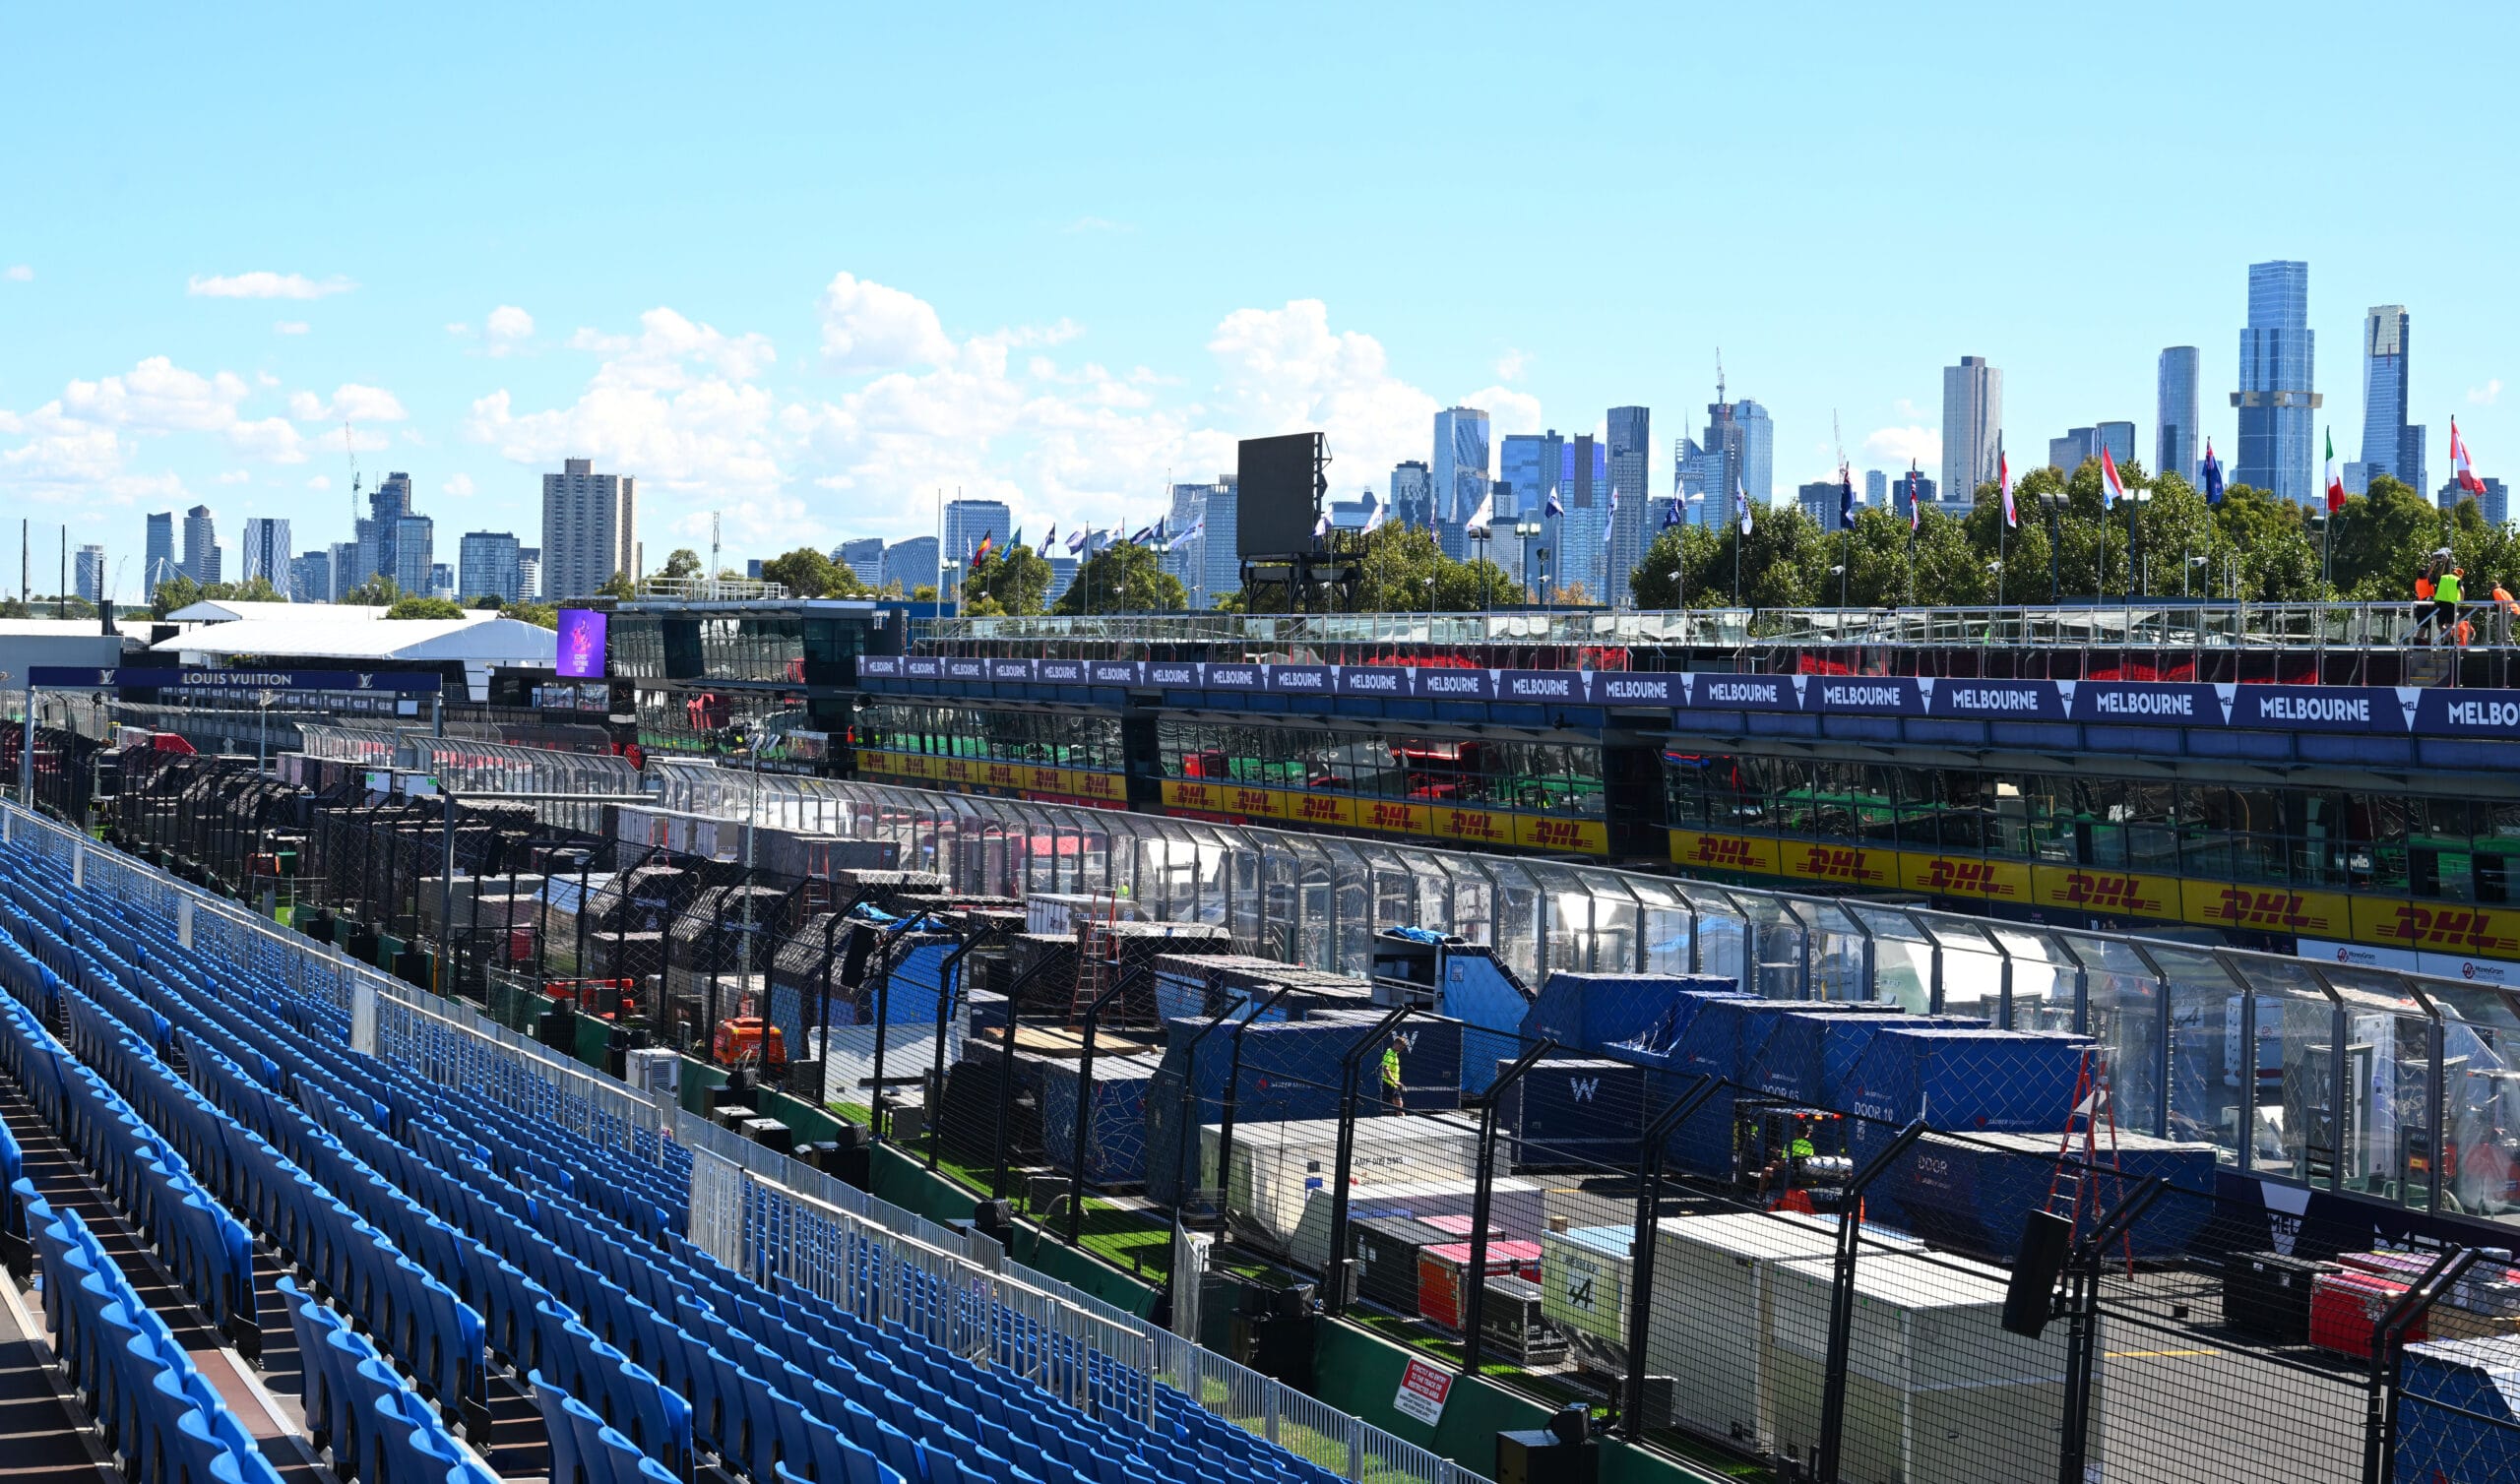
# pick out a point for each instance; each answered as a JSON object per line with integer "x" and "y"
{"x": 360, "y": 1408}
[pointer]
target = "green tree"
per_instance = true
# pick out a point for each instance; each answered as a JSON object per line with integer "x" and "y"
{"x": 489, "y": 602}
{"x": 425, "y": 607}
{"x": 1674, "y": 572}
{"x": 2021, "y": 549}
{"x": 181, "y": 591}
{"x": 1014, "y": 581}
{"x": 809, "y": 573}
{"x": 177, "y": 592}
{"x": 540, "y": 615}
{"x": 2381, "y": 539}
{"x": 680, "y": 563}
{"x": 1405, "y": 569}
{"x": 1123, "y": 578}
{"x": 1780, "y": 565}
{"x": 2263, "y": 546}
{"x": 618, "y": 586}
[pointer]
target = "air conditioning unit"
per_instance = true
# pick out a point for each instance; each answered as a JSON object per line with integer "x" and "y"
{"x": 654, "y": 1069}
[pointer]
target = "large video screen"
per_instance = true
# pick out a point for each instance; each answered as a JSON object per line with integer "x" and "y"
{"x": 582, "y": 634}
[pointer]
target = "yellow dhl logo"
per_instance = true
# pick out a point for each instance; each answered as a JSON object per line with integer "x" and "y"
{"x": 2108, "y": 894}
{"x": 1472, "y": 824}
{"x": 1723, "y": 851}
{"x": 2283, "y": 909}
{"x": 1045, "y": 777}
{"x": 1252, "y": 801}
{"x": 1390, "y": 817}
{"x": 1831, "y": 864}
{"x": 2449, "y": 927}
{"x": 1969, "y": 878}
{"x": 1310, "y": 808}
{"x": 1557, "y": 834}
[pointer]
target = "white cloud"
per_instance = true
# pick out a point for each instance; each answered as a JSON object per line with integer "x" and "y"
{"x": 507, "y": 327}
{"x": 235, "y": 476}
{"x": 459, "y": 485}
{"x": 1285, "y": 370}
{"x": 2487, "y": 394}
{"x": 1508, "y": 411}
{"x": 1898, "y": 445}
{"x": 868, "y": 326}
{"x": 18, "y": 273}
{"x": 1509, "y": 366}
{"x": 265, "y": 285}
{"x": 289, "y": 327}
{"x": 81, "y": 445}
{"x": 320, "y": 481}
{"x": 349, "y": 403}
{"x": 458, "y": 327}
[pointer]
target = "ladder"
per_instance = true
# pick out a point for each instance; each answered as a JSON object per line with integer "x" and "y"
{"x": 1096, "y": 955}
{"x": 2083, "y": 1164}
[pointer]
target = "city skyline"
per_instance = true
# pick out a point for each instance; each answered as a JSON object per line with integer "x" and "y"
{"x": 1057, "y": 328}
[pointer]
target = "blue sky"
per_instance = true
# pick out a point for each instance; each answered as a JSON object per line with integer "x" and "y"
{"x": 806, "y": 266}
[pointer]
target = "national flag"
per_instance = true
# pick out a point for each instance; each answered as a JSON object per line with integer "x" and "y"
{"x": 1672, "y": 515}
{"x": 1610, "y": 522}
{"x": 1143, "y": 534}
{"x": 1321, "y": 526}
{"x": 1555, "y": 510}
{"x": 2335, "y": 480}
{"x": 2112, "y": 488}
{"x": 1845, "y": 500}
{"x": 1916, "y": 507}
{"x": 1160, "y": 538}
{"x": 1198, "y": 529}
{"x": 2003, "y": 482}
{"x": 981, "y": 552}
{"x": 2460, "y": 471}
{"x": 1076, "y": 542}
{"x": 1050, "y": 542}
{"x": 1742, "y": 504}
{"x": 1015, "y": 540}
{"x": 2213, "y": 475}
{"x": 1373, "y": 522}
{"x": 1482, "y": 520}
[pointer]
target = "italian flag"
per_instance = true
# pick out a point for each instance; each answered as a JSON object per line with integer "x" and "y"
{"x": 2335, "y": 480}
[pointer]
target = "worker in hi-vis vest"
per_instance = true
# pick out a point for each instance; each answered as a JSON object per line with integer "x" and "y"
{"x": 1391, "y": 1075}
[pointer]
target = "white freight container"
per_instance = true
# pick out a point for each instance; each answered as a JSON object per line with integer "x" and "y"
{"x": 1058, "y": 912}
{"x": 1275, "y": 1163}
{"x": 1936, "y": 1388}
{"x": 1513, "y": 1208}
{"x": 1583, "y": 1290}
{"x": 1709, "y": 1319}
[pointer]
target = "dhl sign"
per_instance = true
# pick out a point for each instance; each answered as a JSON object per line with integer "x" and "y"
{"x": 2438, "y": 926}
{"x": 1319, "y": 808}
{"x": 1723, "y": 852}
{"x": 1003, "y": 775}
{"x": 1097, "y": 785}
{"x": 2125, "y": 894}
{"x": 2271, "y": 909}
{"x": 1396, "y": 815}
{"x": 1477, "y": 825}
{"x": 1534, "y": 832}
{"x": 1850, "y": 865}
{"x": 1961, "y": 876}
{"x": 1181, "y": 794}
{"x": 1259, "y": 803}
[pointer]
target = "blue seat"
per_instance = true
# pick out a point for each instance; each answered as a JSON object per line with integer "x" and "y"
{"x": 342, "y": 1352}
{"x": 551, "y": 1400}
{"x": 408, "y": 1441}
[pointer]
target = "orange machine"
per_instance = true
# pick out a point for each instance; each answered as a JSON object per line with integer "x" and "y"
{"x": 608, "y": 998}
{"x": 748, "y": 1038}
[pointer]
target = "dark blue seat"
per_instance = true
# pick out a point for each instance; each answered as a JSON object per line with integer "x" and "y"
{"x": 549, "y": 1399}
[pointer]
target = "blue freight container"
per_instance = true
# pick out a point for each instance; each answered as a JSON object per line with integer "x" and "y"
{"x": 1664, "y": 1035}
{"x": 1429, "y": 1057}
{"x": 2459, "y": 1416}
{"x": 1472, "y": 987}
{"x": 1722, "y": 1041}
{"x": 1575, "y": 1112}
{"x": 1584, "y": 1012}
{"x": 1807, "y": 1055}
{"x": 1971, "y": 1195}
{"x": 1964, "y": 1081}
{"x": 1290, "y": 1070}
{"x": 1115, "y": 1135}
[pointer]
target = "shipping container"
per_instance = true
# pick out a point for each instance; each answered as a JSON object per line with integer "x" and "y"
{"x": 1276, "y": 1163}
{"x": 1936, "y": 1388}
{"x": 1059, "y": 914}
{"x": 1806, "y": 1056}
{"x": 2267, "y": 1295}
{"x": 1585, "y": 1012}
{"x": 1973, "y": 1193}
{"x": 2459, "y": 1413}
{"x": 1443, "y": 1272}
{"x": 1722, "y": 1039}
{"x": 1429, "y": 1057}
{"x": 1711, "y": 1316}
{"x": 1583, "y": 1283}
{"x": 1476, "y": 989}
{"x": 1288, "y": 1069}
{"x": 1964, "y": 1081}
{"x": 1115, "y": 1135}
{"x": 1516, "y": 1208}
{"x": 1576, "y": 1113}
{"x": 1384, "y": 1250}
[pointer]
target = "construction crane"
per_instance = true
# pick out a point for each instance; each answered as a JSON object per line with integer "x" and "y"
{"x": 1839, "y": 437}
{"x": 351, "y": 448}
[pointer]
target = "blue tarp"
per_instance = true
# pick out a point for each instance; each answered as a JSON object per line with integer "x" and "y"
{"x": 1585, "y": 1012}
{"x": 1966, "y": 1081}
{"x": 1474, "y": 989}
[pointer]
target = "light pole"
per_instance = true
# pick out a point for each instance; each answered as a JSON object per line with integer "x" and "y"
{"x": 2190, "y": 565}
{"x": 1526, "y": 528}
{"x": 1482, "y": 537}
{"x": 1840, "y": 572}
{"x": 1995, "y": 570}
{"x": 1546, "y": 594}
{"x": 946, "y": 570}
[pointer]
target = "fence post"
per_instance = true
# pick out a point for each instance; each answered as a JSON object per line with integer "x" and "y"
{"x": 946, "y": 977}
{"x": 1474, "y": 1310}
{"x": 1084, "y": 1108}
{"x": 1233, "y": 1084}
{"x": 2082, "y": 1336}
{"x": 1640, "y": 1281}
{"x": 1833, "y": 1399}
{"x": 1186, "y": 1154}
{"x": 2380, "y": 1404}
{"x": 1334, "y": 1258}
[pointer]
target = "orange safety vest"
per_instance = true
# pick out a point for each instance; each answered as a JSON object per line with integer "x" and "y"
{"x": 2424, "y": 589}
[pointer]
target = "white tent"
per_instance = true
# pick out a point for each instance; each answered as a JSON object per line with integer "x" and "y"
{"x": 480, "y": 643}
{"x": 228, "y": 611}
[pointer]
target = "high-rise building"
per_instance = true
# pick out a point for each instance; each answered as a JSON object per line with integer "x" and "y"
{"x": 865, "y": 557}
{"x": 344, "y": 569}
{"x": 88, "y": 572}
{"x": 1413, "y": 496}
{"x": 529, "y": 571}
{"x": 415, "y": 554}
{"x": 1819, "y": 501}
{"x": 2276, "y": 395}
{"x": 1631, "y": 436}
{"x": 1460, "y": 473}
{"x": 2068, "y": 454}
{"x": 2495, "y": 504}
{"x": 1759, "y": 454}
{"x": 1220, "y": 554}
{"x": 386, "y": 505}
{"x": 489, "y": 564}
{"x": 1876, "y": 488}
{"x": 201, "y": 545}
{"x": 2179, "y": 448}
{"x": 157, "y": 561}
{"x": 910, "y": 563}
{"x": 1062, "y": 578}
{"x": 967, "y": 521}
{"x": 2391, "y": 444}
{"x": 266, "y": 554}
{"x": 589, "y": 528}
{"x": 442, "y": 580}
{"x": 310, "y": 578}
{"x": 1973, "y": 424}
{"x": 1532, "y": 466}
{"x": 1575, "y": 540}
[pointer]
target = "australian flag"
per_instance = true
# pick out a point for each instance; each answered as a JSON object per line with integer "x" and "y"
{"x": 2213, "y": 475}
{"x": 1846, "y": 501}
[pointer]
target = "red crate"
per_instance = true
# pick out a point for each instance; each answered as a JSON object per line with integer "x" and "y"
{"x": 1440, "y": 1269}
{"x": 2345, "y": 1307}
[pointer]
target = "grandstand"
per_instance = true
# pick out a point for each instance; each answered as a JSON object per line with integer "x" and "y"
{"x": 280, "y": 1221}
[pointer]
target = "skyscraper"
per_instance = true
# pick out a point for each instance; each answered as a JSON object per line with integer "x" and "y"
{"x": 1219, "y": 551}
{"x": 1531, "y": 467}
{"x": 89, "y": 574}
{"x": 1459, "y": 472}
{"x": 415, "y": 560}
{"x": 2179, "y": 448}
{"x": 344, "y": 563}
{"x": 910, "y": 563}
{"x": 310, "y": 578}
{"x": 1973, "y": 424}
{"x": 158, "y": 563}
{"x": 2390, "y": 444}
{"x": 967, "y": 521}
{"x": 865, "y": 557}
{"x": 201, "y": 545}
{"x": 1758, "y": 455}
{"x": 2495, "y": 504}
{"x": 2277, "y": 392}
{"x": 2068, "y": 454}
{"x": 1876, "y": 489}
{"x": 1413, "y": 496}
{"x": 1819, "y": 501}
{"x": 266, "y": 554}
{"x": 386, "y": 505}
{"x": 589, "y": 528}
{"x": 488, "y": 564}
{"x": 1577, "y": 552}
{"x": 1631, "y": 436}
{"x": 529, "y": 573}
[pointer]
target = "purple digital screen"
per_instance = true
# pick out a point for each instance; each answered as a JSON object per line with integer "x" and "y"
{"x": 582, "y": 631}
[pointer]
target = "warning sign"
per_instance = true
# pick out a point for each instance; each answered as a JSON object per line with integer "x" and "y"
{"x": 1422, "y": 1389}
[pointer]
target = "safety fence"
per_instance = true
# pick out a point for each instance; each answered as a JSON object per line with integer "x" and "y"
{"x": 765, "y": 1215}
